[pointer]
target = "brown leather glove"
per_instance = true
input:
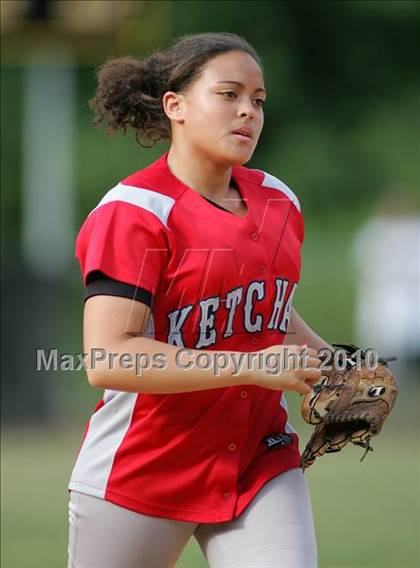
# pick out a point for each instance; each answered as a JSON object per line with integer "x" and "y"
{"x": 348, "y": 405}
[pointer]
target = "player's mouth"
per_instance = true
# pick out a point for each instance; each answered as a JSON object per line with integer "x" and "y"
{"x": 243, "y": 133}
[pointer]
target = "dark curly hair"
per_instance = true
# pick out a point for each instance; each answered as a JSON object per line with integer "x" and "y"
{"x": 130, "y": 90}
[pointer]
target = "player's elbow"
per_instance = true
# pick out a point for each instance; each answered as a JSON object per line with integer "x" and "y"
{"x": 96, "y": 378}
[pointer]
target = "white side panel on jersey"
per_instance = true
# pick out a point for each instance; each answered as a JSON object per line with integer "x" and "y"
{"x": 153, "y": 201}
{"x": 106, "y": 431}
{"x": 271, "y": 181}
{"x": 288, "y": 428}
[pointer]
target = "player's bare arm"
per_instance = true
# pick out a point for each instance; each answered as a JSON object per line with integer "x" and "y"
{"x": 300, "y": 333}
{"x": 117, "y": 325}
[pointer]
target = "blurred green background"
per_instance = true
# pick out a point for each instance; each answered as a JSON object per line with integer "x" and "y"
{"x": 341, "y": 129}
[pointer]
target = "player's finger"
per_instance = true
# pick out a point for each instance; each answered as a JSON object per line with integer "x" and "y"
{"x": 308, "y": 351}
{"x": 303, "y": 361}
{"x": 310, "y": 375}
{"x": 302, "y": 388}
{"x": 312, "y": 362}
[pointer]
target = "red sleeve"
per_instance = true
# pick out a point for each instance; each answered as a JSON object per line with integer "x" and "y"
{"x": 125, "y": 242}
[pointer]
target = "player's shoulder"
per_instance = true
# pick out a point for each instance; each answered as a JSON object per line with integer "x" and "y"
{"x": 148, "y": 189}
{"x": 266, "y": 181}
{"x": 155, "y": 177}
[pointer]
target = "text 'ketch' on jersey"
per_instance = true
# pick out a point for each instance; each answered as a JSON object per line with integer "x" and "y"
{"x": 218, "y": 281}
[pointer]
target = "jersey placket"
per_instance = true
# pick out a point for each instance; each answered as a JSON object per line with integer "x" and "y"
{"x": 233, "y": 447}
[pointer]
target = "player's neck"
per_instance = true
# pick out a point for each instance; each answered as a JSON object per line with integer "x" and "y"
{"x": 206, "y": 177}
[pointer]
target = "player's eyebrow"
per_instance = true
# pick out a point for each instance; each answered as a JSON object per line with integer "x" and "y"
{"x": 242, "y": 85}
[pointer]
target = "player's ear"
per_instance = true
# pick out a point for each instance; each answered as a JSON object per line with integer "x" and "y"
{"x": 174, "y": 107}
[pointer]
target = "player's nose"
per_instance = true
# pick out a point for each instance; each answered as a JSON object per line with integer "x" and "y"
{"x": 246, "y": 109}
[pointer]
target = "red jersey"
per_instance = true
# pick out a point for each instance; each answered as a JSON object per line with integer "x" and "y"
{"x": 218, "y": 282}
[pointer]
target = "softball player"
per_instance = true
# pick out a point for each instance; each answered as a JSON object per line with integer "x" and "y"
{"x": 190, "y": 266}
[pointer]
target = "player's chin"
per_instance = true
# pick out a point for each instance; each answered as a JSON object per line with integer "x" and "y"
{"x": 237, "y": 156}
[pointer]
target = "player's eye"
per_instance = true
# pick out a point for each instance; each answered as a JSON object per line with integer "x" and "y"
{"x": 260, "y": 102}
{"x": 229, "y": 94}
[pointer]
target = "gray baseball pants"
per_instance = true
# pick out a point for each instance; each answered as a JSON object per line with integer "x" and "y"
{"x": 276, "y": 530}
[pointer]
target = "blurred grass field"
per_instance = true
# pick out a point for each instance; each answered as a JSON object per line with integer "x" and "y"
{"x": 366, "y": 514}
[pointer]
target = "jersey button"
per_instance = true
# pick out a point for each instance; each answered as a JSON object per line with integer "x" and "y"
{"x": 263, "y": 269}
{"x": 232, "y": 447}
{"x": 227, "y": 495}
{"x": 254, "y": 236}
{"x": 254, "y": 340}
{"x": 243, "y": 394}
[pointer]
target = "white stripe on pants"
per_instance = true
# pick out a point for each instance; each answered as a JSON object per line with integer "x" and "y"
{"x": 276, "y": 530}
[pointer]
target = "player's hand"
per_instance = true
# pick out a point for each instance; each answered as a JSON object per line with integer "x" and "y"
{"x": 297, "y": 369}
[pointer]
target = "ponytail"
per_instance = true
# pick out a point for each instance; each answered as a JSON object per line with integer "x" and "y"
{"x": 130, "y": 91}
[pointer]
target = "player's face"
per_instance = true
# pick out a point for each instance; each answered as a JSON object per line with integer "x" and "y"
{"x": 228, "y": 96}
